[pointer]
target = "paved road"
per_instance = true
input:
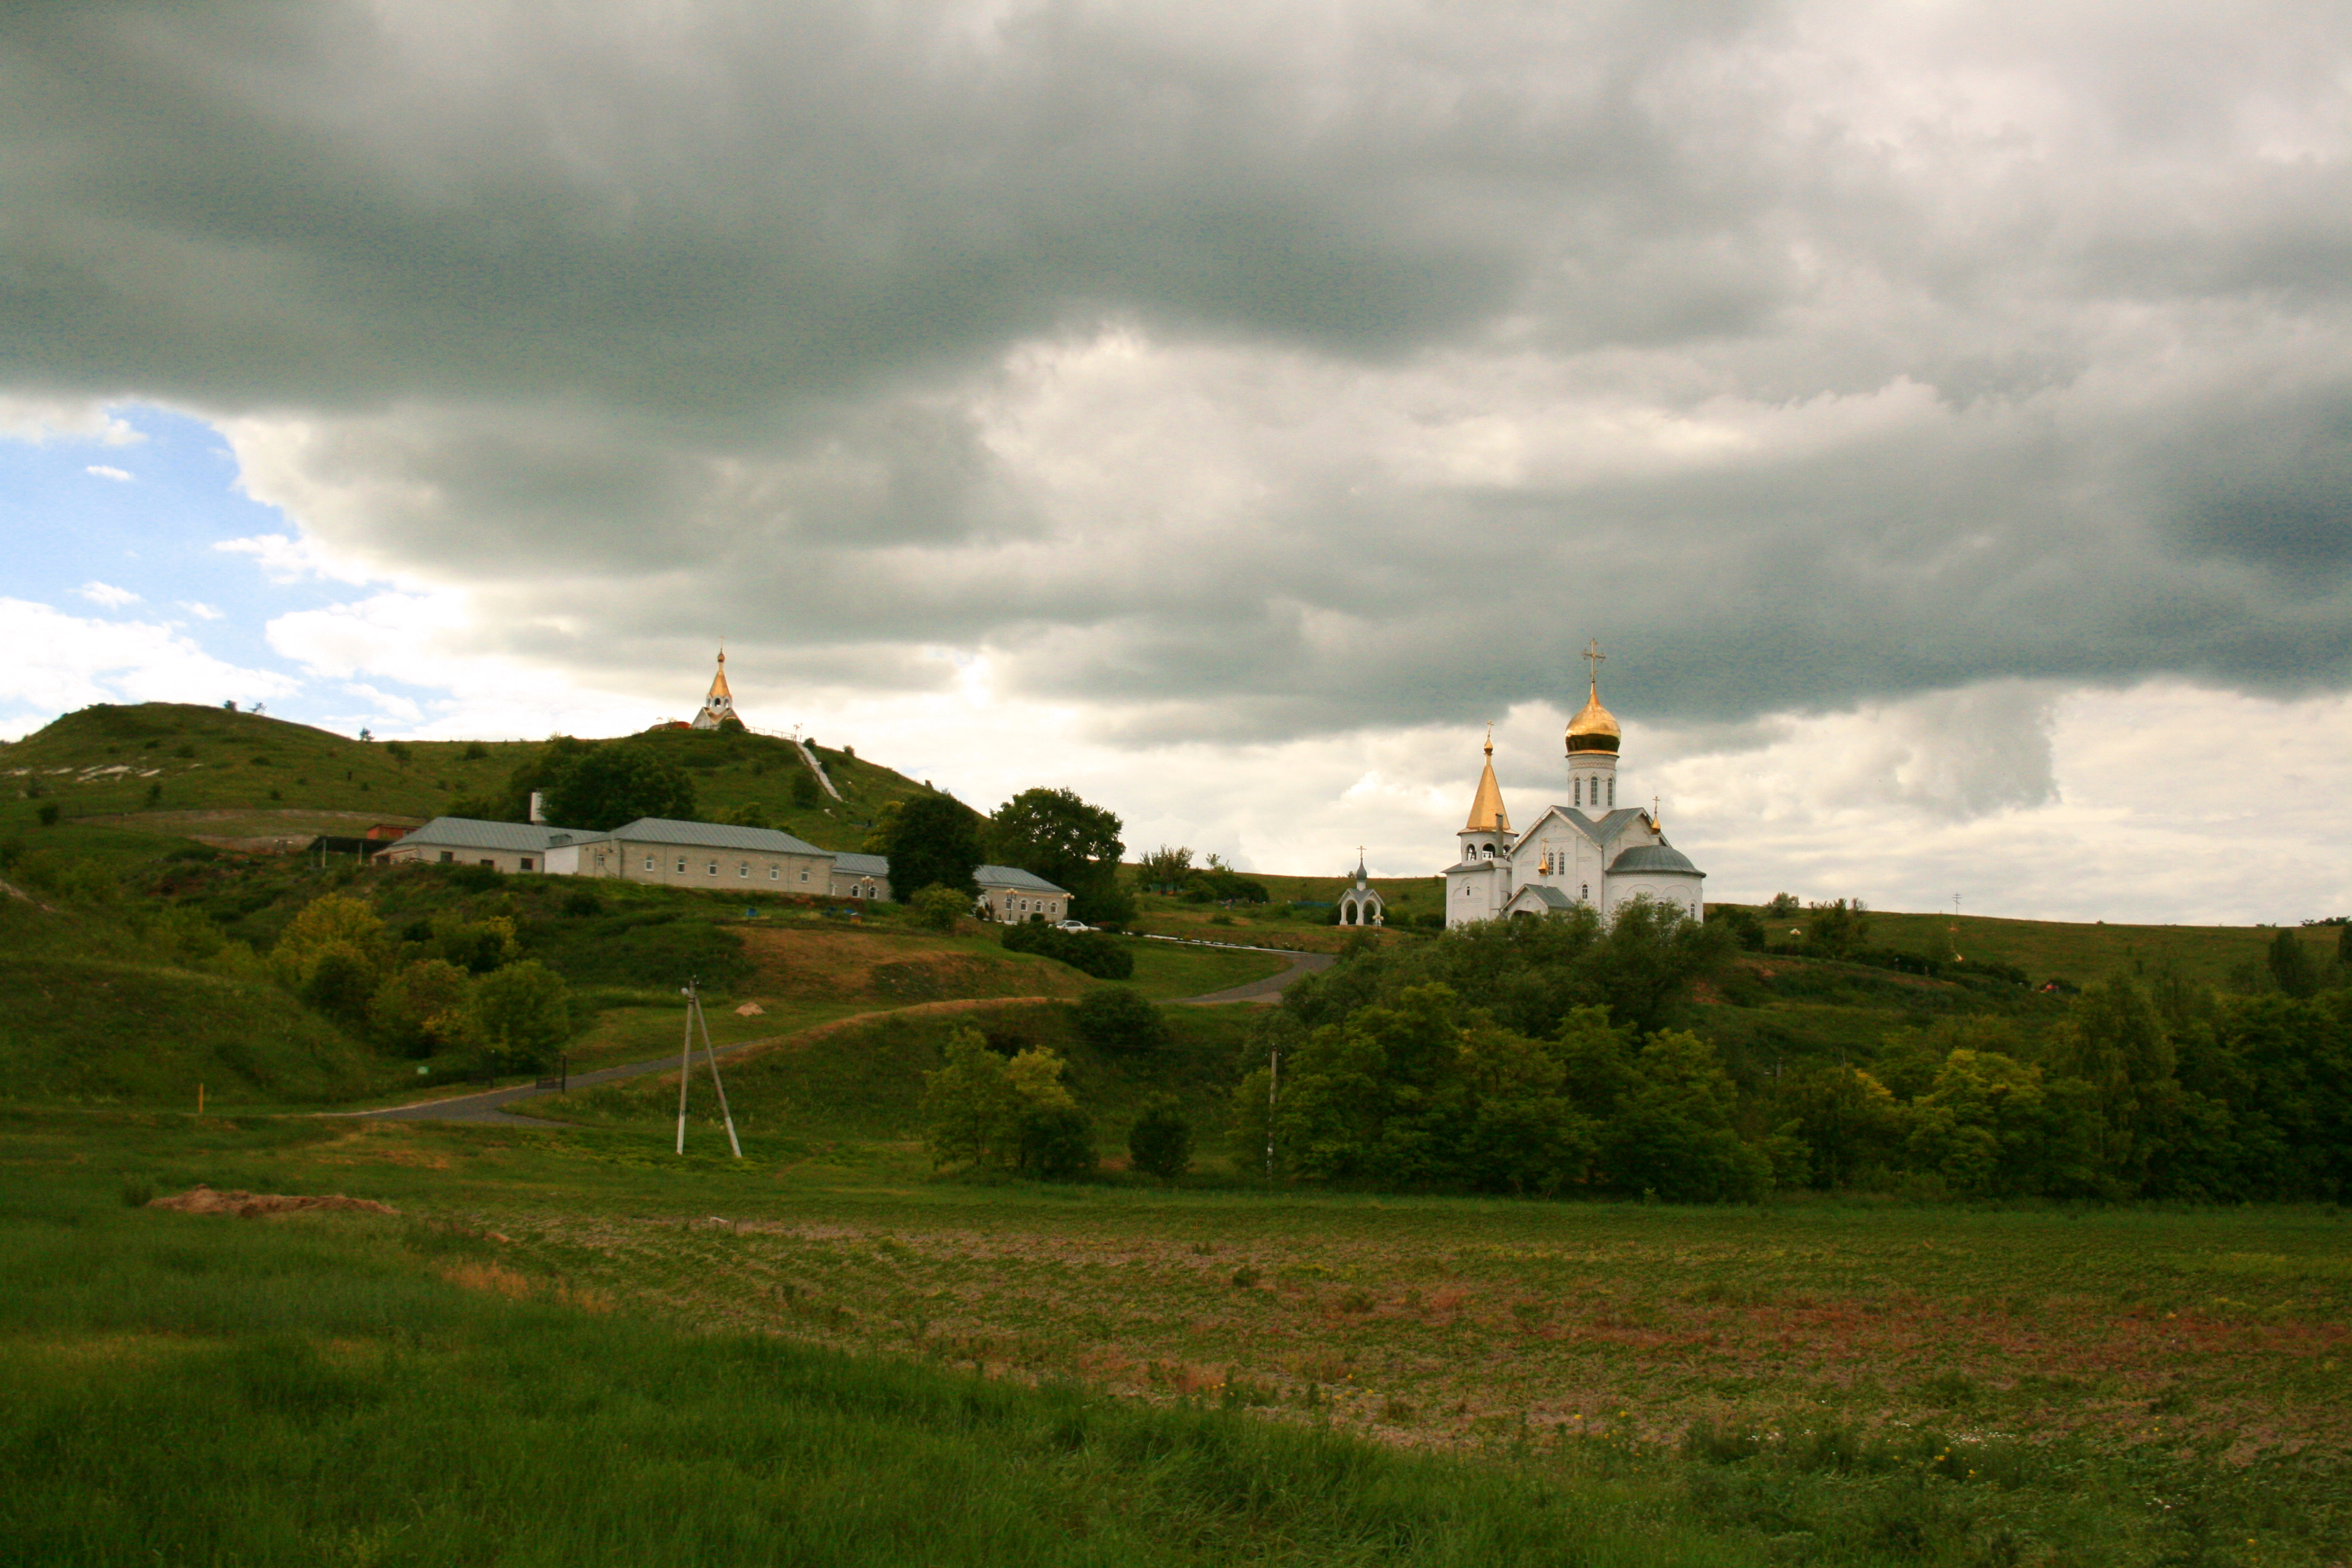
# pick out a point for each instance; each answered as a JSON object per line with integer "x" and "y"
{"x": 1268, "y": 989}
{"x": 491, "y": 1104}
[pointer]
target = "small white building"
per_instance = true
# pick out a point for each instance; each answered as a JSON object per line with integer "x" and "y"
{"x": 858, "y": 876}
{"x": 1361, "y": 903}
{"x": 1591, "y": 851}
{"x": 512, "y": 846}
{"x": 1011, "y": 895}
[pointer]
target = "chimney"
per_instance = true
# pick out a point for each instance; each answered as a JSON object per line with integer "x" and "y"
{"x": 537, "y": 815}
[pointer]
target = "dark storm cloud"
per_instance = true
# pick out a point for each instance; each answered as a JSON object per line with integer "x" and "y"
{"x": 1808, "y": 355}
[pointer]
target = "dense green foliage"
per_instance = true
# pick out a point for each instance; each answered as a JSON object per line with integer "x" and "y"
{"x": 1161, "y": 1143}
{"x": 983, "y": 1111}
{"x": 1058, "y": 836}
{"x": 934, "y": 841}
{"x": 1117, "y": 1018}
{"x": 614, "y": 784}
{"x": 1534, "y": 1055}
{"x": 1089, "y": 952}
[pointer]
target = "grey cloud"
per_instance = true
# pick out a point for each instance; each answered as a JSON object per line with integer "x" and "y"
{"x": 669, "y": 321}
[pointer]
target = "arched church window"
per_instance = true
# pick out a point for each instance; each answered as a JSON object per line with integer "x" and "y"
{"x": 1580, "y": 792}
{"x": 1613, "y": 792}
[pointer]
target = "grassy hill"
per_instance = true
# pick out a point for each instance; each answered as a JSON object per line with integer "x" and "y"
{"x": 210, "y": 773}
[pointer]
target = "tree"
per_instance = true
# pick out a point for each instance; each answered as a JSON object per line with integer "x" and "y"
{"x": 2291, "y": 964}
{"x": 1837, "y": 929}
{"x": 1161, "y": 1143}
{"x": 341, "y": 981}
{"x": 1066, "y": 841}
{"x": 981, "y": 1109}
{"x": 1673, "y": 1134}
{"x": 933, "y": 840}
{"x": 1115, "y": 1018}
{"x": 609, "y": 786}
{"x": 1165, "y": 869}
{"x": 332, "y": 922}
{"x": 939, "y": 908}
{"x": 523, "y": 1010}
{"x": 422, "y": 1008}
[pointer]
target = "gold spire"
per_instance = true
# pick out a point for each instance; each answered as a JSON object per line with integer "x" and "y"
{"x": 718, "y": 681}
{"x": 1594, "y": 728}
{"x": 1486, "y": 813}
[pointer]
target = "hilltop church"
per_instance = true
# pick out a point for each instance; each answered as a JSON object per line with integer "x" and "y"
{"x": 1591, "y": 851}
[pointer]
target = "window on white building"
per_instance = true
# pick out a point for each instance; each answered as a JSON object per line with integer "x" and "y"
{"x": 803, "y": 873}
{"x": 742, "y": 867}
{"x": 714, "y": 868}
{"x": 681, "y": 865}
{"x": 774, "y": 872}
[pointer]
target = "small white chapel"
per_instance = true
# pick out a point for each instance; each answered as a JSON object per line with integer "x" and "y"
{"x": 1591, "y": 851}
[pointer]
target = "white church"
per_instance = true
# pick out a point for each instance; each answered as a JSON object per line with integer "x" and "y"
{"x": 1591, "y": 851}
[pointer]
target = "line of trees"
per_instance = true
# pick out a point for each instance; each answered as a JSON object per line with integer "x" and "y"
{"x": 1549, "y": 1056}
{"x": 936, "y": 840}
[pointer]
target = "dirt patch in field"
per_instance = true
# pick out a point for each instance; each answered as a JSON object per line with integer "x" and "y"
{"x": 837, "y": 964}
{"x": 201, "y": 1199}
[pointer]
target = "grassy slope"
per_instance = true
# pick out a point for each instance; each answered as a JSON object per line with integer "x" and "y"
{"x": 1814, "y": 1381}
{"x": 246, "y": 774}
{"x": 90, "y": 1017}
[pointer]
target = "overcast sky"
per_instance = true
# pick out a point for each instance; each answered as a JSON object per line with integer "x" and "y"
{"x": 1942, "y": 415}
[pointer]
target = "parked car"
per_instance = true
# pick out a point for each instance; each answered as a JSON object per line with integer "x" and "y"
{"x": 1072, "y": 925}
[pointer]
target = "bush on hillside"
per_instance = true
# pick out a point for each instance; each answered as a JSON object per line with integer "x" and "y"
{"x": 645, "y": 949}
{"x": 1089, "y": 952}
{"x": 1161, "y": 1143}
{"x": 1116, "y": 1018}
{"x": 421, "y": 1009}
{"x": 523, "y": 1012}
{"x": 938, "y": 909}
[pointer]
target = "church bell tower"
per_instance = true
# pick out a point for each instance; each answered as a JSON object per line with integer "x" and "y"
{"x": 1592, "y": 740}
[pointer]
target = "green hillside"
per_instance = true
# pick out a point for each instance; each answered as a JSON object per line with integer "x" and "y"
{"x": 209, "y": 773}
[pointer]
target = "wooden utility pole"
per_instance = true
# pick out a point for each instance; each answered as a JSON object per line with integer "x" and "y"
{"x": 694, "y": 1017}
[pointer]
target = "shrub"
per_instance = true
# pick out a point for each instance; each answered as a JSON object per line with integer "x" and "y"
{"x": 339, "y": 982}
{"x": 1089, "y": 952}
{"x": 1116, "y": 1018}
{"x": 48, "y": 813}
{"x": 937, "y": 908}
{"x": 524, "y": 1010}
{"x": 1056, "y": 1142}
{"x": 1161, "y": 1143}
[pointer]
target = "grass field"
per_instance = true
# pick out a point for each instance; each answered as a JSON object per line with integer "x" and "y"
{"x": 578, "y": 1347}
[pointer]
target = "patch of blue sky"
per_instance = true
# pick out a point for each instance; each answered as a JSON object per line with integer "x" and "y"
{"x": 131, "y": 531}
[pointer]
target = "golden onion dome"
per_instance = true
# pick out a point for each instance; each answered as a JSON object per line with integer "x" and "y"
{"x": 1594, "y": 728}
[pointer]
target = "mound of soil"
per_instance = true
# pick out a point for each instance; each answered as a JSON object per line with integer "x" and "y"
{"x": 201, "y": 1199}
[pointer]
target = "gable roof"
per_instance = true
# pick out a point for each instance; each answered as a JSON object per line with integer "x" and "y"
{"x": 861, "y": 865}
{"x": 1551, "y": 897}
{"x": 714, "y": 836}
{"x": 1602, "y": 830}
{"x": 1014, "y": 878}
{"x": 474, "y": 833}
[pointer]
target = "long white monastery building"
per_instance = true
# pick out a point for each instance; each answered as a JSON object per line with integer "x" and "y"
{"x": 1590, "y": 852}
